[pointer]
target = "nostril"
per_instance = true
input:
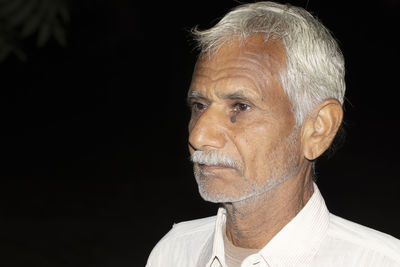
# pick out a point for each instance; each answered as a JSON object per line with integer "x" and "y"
{"x": 192, "y": 147}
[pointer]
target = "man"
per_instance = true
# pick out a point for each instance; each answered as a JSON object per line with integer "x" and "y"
{"x": 266, "y": 100}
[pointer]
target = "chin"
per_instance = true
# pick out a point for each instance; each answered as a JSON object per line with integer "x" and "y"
{"x": 224, "y": 197}
{"x": 217, "y": 197}
{"x": 216, "y": 191}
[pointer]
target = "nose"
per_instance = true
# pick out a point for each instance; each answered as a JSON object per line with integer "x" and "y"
{"x": 207, "y": 132}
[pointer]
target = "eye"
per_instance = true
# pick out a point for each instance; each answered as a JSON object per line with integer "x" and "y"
{"x": 241, "y": 107}
{"x": 197, "y": 106}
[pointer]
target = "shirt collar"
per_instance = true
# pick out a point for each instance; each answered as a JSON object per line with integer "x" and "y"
{"x": 218, "y": 252}
{"x": 295, "y": 244}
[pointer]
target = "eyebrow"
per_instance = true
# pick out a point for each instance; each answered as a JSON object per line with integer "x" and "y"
{"x": 235, "y": 95}
{"x": 243, "y": 94}
{"x": 195, "y": 95}
{"x": 239, "y": 95}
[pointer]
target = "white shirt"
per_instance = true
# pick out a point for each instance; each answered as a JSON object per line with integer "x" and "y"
{"x": 314, "y": 237}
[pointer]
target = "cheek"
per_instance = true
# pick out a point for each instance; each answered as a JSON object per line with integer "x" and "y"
{"x": 192, "y": 123}
{"x": 257, "y": 144}
{"x": 250, "y": 144}
{"x": 190, "y": 126}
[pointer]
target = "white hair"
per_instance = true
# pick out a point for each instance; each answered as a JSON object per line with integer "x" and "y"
{"x": 314, "y": 63}
{"x": 214, "y": 158}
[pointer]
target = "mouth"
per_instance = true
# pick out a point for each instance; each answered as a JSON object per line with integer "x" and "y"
{"x": 210, "y": 168}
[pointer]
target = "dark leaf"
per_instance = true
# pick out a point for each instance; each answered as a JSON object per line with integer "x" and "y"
{"x": 8, "y": 8}
{"x": 44, "y": 34}
{"x": 42, "y": 10}
{"x": 23, "y": 14}
{"x": 20, "y": 54}
{"x": 64, "y": 12}
{"x": 51, "y": 11}
{"x": 22, "y": 18}
{"x": 31, "y": 25}
{"x": 59, "y": 33}
{"x": 4, "y": 52}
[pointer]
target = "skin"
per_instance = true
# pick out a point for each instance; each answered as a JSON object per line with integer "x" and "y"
{"x": 240, "y": 109}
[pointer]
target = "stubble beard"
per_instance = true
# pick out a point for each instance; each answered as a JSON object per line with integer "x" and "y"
{"x": 279, "y": 172}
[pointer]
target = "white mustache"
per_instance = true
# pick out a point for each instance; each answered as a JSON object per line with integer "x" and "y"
{"x": 214, "y": 158}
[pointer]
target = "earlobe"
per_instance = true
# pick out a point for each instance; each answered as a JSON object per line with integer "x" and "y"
{"x": 320, "y": 128}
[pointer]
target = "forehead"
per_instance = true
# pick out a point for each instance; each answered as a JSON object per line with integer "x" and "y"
{"x": 268, "y": 53}
{"x": 252, "y": 63}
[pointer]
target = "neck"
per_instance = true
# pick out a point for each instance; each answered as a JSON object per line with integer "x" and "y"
{"x": 252, "y": 223}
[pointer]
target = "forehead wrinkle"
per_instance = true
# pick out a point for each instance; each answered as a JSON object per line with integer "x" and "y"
{"x": 251, "y": 87}
{"x": 259, "y": 60}
{"x": 258, "y": 79}
{"x": 265, "y": 61}
{"x": 254, "y": 65}
{"x": 240, "y": 93}
{"x": 245, "y": 84}
{"x": 262, "y": 67}
{"x": 266, "y": 71}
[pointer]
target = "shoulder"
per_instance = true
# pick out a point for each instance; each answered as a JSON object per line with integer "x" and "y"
{"x": 192, "y": 227}
{"x": 185, "y": 238}
{"x": 360, "y": 240}
{"x": 189, "y": 231}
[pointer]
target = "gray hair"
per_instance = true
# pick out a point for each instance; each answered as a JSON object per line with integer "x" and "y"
{"x": 314, "y": 63}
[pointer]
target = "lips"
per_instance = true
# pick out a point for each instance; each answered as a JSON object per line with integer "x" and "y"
{"x": 213, "y": 167}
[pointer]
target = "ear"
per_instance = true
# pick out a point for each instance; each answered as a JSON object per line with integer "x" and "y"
{"x": 320, "y": 128}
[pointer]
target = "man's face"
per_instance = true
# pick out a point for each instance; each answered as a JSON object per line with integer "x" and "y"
{"x": 241, "y": 114}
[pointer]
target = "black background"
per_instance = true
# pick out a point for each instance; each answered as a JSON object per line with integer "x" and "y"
{"x": 94, "y": 163}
